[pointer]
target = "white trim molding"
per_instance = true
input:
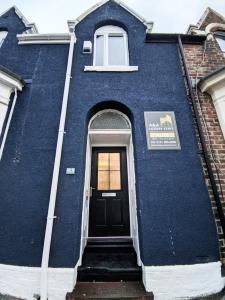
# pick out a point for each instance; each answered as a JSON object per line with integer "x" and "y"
{"x": 57, "y": 38}
{"x": 111, "y": 68}
{"x": 205, "y": 15}
{"x": 183, "y": 281}
{"x": 110, "y": 138}
{"x": 24, "y": 282}
{"x": 32, "y": 26}
{"x": 107, "y": 32}
{"x": 148, "y": 25}
{"x": 48, "y": 38}
{"x": 8, "y": 84}
{"x": 214, "y": 85}
{"x": 212, "y": 27}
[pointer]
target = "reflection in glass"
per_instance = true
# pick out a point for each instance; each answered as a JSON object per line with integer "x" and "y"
{"x": 115, "y": 161}
{"x": 103, "y": 161}
{"x": 99, "y": 50}
{"x": 115, "y": 181}
{"x": 103, "y": 180}
{"x": 221, "y": 42}
{"x": 109, "y": 177}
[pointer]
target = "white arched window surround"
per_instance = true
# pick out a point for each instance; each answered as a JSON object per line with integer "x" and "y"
{"x": 109, "y": 119}
{"x": 3, "y": 34}
{"x": 111, "y": 52}
{"x": 111, "y": 46}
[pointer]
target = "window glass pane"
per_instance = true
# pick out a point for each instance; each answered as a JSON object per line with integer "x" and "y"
{"x": 103, "y": 180}
{"x": 221, "y": 42}
{"x": 110, "y": 120}
{"x": 103, "y": 161}
{"x": 99, "y": 55}
{"x": 114, "y": 161}
{"x": 115, "y": 180}
{"x": 3, "y": 35}
{"x": 116, "y": 50}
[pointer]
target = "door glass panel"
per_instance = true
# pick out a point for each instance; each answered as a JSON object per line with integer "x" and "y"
{"x": 103, "y": 180}
{"x": 114, "y": 161}
{"x": 115, "y": 181}
{"x": 109, "y": 176}
{"x": 103, "y": 161}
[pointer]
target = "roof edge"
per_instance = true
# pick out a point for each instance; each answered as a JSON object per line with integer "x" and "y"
{"x": 12, "y": 75}
{"x": 149, "y": 25}
{"x": 206, "y": 12}
{"x": 203, "y": 81}
{"x": 32, "y": 26}
{"x": 52, "y": 38}
{"x": 173, "y": 37}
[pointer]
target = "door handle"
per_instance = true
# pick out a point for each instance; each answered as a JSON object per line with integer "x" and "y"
{"x": 91, "y": 189}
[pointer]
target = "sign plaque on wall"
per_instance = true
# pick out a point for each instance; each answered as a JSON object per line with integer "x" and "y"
{"x": 161, "y": 130}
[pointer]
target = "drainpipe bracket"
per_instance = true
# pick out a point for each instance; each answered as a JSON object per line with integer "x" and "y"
{"x": 51, "y": 218}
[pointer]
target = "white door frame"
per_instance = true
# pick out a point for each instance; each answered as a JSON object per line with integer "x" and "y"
{"x": 110, "y": 138}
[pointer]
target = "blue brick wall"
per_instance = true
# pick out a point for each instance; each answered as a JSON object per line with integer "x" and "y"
{"x": 176, "y": 224}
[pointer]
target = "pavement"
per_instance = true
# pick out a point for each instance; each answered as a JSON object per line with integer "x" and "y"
{"x": 220, "y": 296}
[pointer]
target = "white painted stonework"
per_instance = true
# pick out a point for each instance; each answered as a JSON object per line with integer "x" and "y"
{"x": 24, "y": 282}
{"x": 166, "y": 282}
{"x": 215, "y": 86}
{"x": 7, "y": 85}
{"x": 183, "y": 282}
{"x": 111, "y": 68}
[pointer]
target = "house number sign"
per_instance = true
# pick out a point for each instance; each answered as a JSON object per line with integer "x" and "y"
{"x": 161, "y": 130}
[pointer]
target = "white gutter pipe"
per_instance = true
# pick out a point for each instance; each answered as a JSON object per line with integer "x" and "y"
{"x": 8, "y": 124}
{"x": 55, "y": 177}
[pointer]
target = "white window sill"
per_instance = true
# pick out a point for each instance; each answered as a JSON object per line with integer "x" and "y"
{"x": 111, "y": 68}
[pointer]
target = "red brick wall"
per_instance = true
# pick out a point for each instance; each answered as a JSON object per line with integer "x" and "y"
{"x": 211, "y": 18}
{"x": 203, "y": 60}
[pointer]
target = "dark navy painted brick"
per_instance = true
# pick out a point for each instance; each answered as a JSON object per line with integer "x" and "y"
{"x": 176, "y": 224}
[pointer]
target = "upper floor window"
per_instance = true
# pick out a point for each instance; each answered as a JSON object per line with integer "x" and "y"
{"x": 3, "y": 35}
{"x": 220, "y": 37}
{"x": 111, "y": 47}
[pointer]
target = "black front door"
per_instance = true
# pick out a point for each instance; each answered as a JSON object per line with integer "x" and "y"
{"x": 109, "y": 203}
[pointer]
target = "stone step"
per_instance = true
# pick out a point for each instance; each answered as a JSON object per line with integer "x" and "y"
{"x": 108, "y": 265}
{"x": 103, "y": 274}
{"x": 109, "y": 290}
{"x": 111, "y": 242}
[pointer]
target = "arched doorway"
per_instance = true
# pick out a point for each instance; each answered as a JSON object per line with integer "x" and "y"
{"x": 109, "y": 202}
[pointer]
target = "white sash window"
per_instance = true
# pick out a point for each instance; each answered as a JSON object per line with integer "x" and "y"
{"x": 111, "y": 47}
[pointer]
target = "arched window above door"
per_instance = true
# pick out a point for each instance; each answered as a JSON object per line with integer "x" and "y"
{"x": 109, "y": 119}
{"x": 111, "y": 46}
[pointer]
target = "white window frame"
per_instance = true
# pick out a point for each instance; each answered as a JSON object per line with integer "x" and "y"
{"x": 220, "y": 36}
{"x": 107, "y": 31}
{"x": 3, "y": 35}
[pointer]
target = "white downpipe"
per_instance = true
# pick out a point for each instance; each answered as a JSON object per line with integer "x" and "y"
{"x": 8, "y": 124}
{"x": 55, "y": 176}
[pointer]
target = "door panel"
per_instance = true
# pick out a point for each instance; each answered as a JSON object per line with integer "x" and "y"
{"x": 109, "y": 203}
{"x": 116, "y": 216}
{"x": 101, "y": 212}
